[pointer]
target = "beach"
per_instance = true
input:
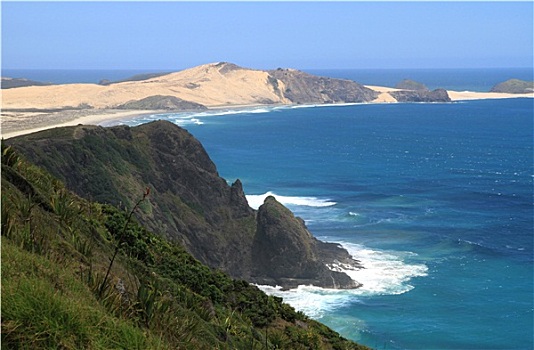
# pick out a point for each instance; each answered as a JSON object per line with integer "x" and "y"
{"x": 23, "y": 114}
{"x": 470, "y": 95}
{"x": 22, "y": 123}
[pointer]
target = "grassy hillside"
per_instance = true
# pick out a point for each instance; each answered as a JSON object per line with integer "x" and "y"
{"x": 189, "y": 202}
{"x": 56, "y": 250}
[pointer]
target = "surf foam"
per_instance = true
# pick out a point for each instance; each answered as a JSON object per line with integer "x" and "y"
{"x": 255, "y": 201}
{"x": 385, "y": 273}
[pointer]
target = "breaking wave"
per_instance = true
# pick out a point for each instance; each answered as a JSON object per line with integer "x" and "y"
{"x": 384, "y": 273}
{"x": 255, "y": 201}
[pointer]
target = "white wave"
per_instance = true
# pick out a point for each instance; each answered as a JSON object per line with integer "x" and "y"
{"x": 384, "y": 273}
{"x": 313, "y": 301}
{"x": 184, "y": 118}
{"x": 230, "y": 111}
{"x": 255, "y": 201}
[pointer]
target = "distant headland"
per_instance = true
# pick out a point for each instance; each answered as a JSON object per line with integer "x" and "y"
{"x": 29, "y": 106}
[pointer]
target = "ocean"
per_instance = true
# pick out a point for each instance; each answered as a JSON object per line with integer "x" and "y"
{"x": 434, "y": 199}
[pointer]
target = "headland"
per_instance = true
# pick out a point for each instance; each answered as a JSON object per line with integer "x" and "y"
{"x": 27, "y": 109}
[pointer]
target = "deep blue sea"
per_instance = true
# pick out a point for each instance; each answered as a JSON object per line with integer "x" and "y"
{"x": 435, "y": 200}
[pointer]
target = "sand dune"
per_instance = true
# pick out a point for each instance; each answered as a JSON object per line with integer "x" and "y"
{"x": 215, "y": 85}
{"x": 211, "y": 85}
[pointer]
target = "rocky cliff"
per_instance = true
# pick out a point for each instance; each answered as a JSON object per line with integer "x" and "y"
{"x": 189, "y": 202}
{"x": 438, "y": 95}
{"x": 304, "y": 88}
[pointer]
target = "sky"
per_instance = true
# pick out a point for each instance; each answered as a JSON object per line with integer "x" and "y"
{"x": 266, "y": 35}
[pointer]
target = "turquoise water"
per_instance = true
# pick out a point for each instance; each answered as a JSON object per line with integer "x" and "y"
{"x": 435, "y": 200}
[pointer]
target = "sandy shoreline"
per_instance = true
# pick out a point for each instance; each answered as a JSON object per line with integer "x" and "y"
{"x": 16, "y": 123}
{"x": 470, "y": 95}
{"x": 21, "y": 123}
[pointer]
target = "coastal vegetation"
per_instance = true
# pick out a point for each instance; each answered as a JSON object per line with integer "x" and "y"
{"x": 189, "y": 202}
{"x": 56, "y": 249}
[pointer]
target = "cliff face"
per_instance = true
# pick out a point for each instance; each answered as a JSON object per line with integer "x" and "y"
{"x": 75, "y": 239}
{"x": 305, "y": 88}
{"x": 189, "y": 202}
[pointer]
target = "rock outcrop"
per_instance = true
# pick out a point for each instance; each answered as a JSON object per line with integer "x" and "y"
{"x": 438, "y": 95}
{"x": 514, "y": 86}
{"x": 189, "y": 201}
{"x": 285, "y": 252}
{"x": 159, "y": 102}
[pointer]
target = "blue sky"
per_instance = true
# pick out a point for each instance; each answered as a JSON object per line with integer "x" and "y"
{"x": 303, "y": 35}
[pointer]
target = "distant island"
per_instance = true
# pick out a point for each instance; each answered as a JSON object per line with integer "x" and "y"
{"x": 514, "y": 86}
{"x": 30, "y": 106}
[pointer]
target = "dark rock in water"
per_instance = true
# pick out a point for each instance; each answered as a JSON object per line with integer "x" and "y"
{"x": 438, "y": 95}
{"x": 159, "y": 102}
{"x": 285, "y": 253}
{"x": 408, "y": 84}
{"x": 189, "y": 202}
{"x": 305, "y": 88}
{"x": 514, "y": 86}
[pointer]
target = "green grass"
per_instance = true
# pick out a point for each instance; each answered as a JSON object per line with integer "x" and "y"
{"x": 44, "y": 306}
{"x": 56, "y": 248}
